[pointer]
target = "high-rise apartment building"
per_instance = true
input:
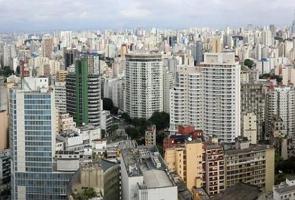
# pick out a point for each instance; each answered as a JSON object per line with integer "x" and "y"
{"x": 253, "y": 96}
{"x": 70, "y": 55}
{"x": 168, "y": 82}
{"x": 208, "y": 97}
{"x": 47, "y": 46}
{"x": 186, "y": 98}
{"x": 60, "y": 96}
{"x": 197, "y": 52}
{"x": 249, "y": 124}
{"x": 83, "y": 93}
{"x": 280, "y": 103}
{"x": 32, "y": 135}
{"x": 221, "y": 95}
{"x": 144, "y": 84}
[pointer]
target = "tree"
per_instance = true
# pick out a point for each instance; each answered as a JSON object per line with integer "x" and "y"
{"x": 126, "y": 118}
{"x": 107, "y": 104}
{"x": 132, "y": 132}
{"x": 6, "y": 71}
{"x": 249, "y": 63}
{"x": 114, "y": 110}
{"x": 160, "y": 119}
{"x": 86, "y": 193}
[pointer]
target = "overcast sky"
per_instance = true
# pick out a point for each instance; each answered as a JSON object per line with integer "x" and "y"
{"x": 26, "y": 15}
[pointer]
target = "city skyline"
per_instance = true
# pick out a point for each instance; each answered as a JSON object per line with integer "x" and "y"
{"x": 32, "y": 15}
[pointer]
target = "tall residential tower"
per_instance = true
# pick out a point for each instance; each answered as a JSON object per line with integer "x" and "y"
{"x": 144, "y": 83}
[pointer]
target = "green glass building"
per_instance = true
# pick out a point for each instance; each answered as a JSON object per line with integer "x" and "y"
{"x": 83, "y": 94}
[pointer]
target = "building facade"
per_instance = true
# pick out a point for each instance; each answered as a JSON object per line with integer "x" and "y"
{"x": 32, "y": 135}
{"x": 83, "y": 93}
{"x": 144, "y": 84}
{"x": 253, "y": 98}
{"x": 221, "y": 96}
{"x": 186, "y": 98}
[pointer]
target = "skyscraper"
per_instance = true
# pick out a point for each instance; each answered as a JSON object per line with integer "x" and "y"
{"x": 144, "y": 84}
{"x": 32, "y": 135}
{"x": 70, "y": 56}
{"x": 60, "y": 96}
{"x": 280, "y": 103}
{"x": 83, "y": 93}
{"x": 253, "y": 101}
{"x": 186, "y": 98}
{"x": 47, "y": 46}
{"x": 293, "y": 26}
{"x": 221, "y": 95}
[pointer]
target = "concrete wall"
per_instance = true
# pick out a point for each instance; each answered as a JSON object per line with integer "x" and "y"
{"x": 3, "y": 130}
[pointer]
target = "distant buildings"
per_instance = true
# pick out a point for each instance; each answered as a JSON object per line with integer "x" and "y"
{"x": 144, "y": 83}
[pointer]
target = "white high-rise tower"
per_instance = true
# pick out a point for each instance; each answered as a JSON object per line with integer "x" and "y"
{"x": 144, "y": 84}
{"x": 221, "y": 95}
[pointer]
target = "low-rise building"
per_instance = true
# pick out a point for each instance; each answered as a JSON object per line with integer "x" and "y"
{"x": 252, "y": 164}
{"x": 150, "y": 136}
{"x": 144, "y": 175}
{"x": 186, "y": 160}
{"x": 103, "y": 176}
{"x": 285, "y": 190}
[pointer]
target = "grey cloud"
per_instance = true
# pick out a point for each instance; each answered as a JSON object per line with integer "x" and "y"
{"x": 75, "y": 14}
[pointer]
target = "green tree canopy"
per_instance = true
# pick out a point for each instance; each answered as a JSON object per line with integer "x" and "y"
{"x": 160, "y": 119}
{"x": 107, "y": 104}
{"x": 6, "y": 71}
{"x": 133, "y": 133}
{"x": 249, "y": 63}
{"x": 86, "y": 193}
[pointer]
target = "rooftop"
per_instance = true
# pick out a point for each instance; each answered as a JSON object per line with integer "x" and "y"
{"x": 156, "y": 178}
{"x": 252, "y": 148}
{"x": 147, "y": 162}
{"x": 240, "y": 191}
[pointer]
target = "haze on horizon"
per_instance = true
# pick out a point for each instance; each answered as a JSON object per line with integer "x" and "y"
{"x": 38, "y": 15}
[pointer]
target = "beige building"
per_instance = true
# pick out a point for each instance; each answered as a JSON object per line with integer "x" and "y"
{"x": 66, "y": 122}
{"x": 61, "y": 75}
{"x": 186, "y": 161}
{"x": 250, "y": 127}
{"x": 150, "y": 136}
{"x": 288, "y": 75}
{"x": 214, "y": 182}
{"x": 252, "y": 164}
{"x": 3, "y": 130}
{"x": 103, "y": 177}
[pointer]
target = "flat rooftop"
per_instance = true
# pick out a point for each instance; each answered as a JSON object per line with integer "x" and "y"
{"x": 147, "y": 162}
